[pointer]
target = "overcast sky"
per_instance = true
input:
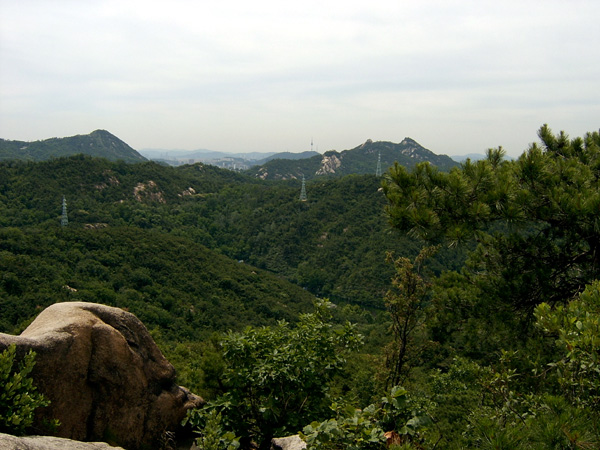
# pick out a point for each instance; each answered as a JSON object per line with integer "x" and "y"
{"x": 240, "y": 75}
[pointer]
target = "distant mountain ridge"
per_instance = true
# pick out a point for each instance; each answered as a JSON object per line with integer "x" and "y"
{"x": 471, "y": 156}
{"x": 289, "y": 156}
{"x": 99, "y": 144}
{"x": 240, "y": 161}
{"x": 175, "y": 155}
{"x": 362, "y": 159}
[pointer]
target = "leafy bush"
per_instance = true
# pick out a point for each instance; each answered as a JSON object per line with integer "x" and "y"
{"x": 277, "y": 378}
{"x": 212, "y": 434}
{"x": 18, "y": 396}
{"x": 355, "y": 429}
{"x": 577, "y": 329}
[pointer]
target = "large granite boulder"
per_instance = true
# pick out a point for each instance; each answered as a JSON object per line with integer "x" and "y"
{"x": 104, "y": 375}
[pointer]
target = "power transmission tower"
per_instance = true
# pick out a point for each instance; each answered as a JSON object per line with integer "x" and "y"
{"x": 64, "y": 220}
{"x": 378, "y": 171}
{"x": 303, "y": 197}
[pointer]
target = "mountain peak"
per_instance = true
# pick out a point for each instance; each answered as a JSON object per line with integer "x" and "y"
{"x": 359, "y": 160}
{"x": 100, "y": 132}
{"x": 99, "y": 144}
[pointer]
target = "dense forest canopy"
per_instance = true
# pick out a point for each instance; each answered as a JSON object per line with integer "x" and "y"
{"x": 334, "y": 244}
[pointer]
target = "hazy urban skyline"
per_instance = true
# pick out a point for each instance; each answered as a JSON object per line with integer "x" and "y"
{"x": 234, "y": 76}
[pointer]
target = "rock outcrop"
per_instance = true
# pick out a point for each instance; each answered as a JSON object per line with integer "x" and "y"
{"x": 8, "y": 442}
{"x": 288, "y": 443}
{"x": 329, "y": 164}
{"x": 104, "y": 375}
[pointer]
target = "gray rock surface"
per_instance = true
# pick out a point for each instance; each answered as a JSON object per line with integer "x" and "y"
{"x": 104, "y": 375}
{"x": 8, "y": 442}
{"x": 288, "y": 443}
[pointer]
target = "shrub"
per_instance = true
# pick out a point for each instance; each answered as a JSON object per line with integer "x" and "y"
{"x": 18, "y": 396}
{"x": 278, "y": 378}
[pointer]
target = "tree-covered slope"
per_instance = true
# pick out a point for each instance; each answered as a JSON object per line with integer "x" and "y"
{"x": 334, "y": 244}
{"x": 98, "y": 190}
{"x": 171, "y": 283}
{"x": 99, "y": 143}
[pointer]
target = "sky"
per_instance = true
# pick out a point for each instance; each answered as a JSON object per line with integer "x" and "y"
{"x": 458, "y": 77}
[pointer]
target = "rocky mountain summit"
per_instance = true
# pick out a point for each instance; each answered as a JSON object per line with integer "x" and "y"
{"x": 363, "y": 159}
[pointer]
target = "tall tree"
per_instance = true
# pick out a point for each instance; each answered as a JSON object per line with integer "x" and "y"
{"x": 407, "y": 302}
{"x": 536, "y": 220}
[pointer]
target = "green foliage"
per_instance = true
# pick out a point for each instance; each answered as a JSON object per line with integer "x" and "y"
{"x": 277, "y": 378}
{"x": 334, "y": 245}
{"x": 449, "y": 396}
{"x": 209, "y": 424}
{"x": 577, "y": 330}
{"x": 195, "y": 249}
{"x": 168, "y": 282}
{"x": 561, "y": 412}
{"x": 407, "y": 303}
{"x": 549, "y": 423}
{"x": 355, "y": 429}
{"x": 18, "y": 396}
{"x": 536, "y": 219}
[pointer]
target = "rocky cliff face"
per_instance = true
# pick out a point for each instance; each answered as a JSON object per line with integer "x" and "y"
{"x": 329, "y": 164}
{"x": 104, "y": 375}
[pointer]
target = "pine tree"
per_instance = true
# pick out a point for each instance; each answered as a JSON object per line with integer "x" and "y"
{"x": 536, "y": 220}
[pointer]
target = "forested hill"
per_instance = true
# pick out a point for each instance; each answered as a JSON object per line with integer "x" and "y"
{"x": 334, "y": 244}
{"x": 359, "y": 160}
{"x": 171, "y": 283}
{"x": 99, "y": 143}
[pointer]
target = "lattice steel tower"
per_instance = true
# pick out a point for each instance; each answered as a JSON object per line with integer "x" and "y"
{"x": 303, "y": 190}
{"x": 378, "y": 171}
{"x": 64, "y": 220}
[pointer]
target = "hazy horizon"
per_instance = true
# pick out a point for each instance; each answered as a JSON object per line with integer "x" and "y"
{"x": 457, "y": 76}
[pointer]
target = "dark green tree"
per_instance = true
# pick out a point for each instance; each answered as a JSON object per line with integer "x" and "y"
{"x": 536, "y": 220}
{"x": 550, "y": 406}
